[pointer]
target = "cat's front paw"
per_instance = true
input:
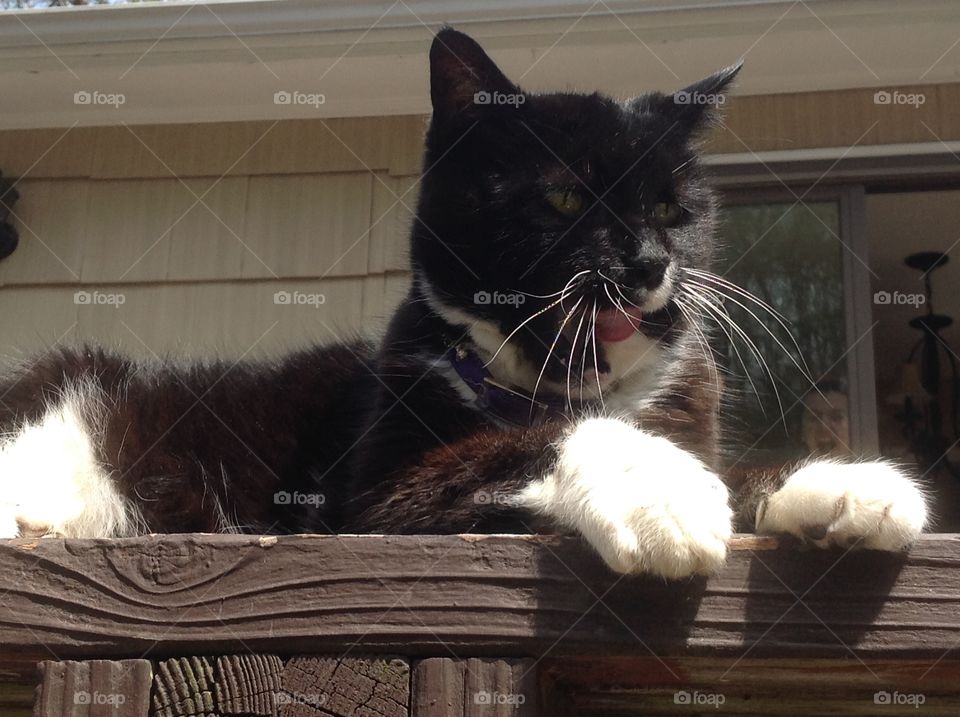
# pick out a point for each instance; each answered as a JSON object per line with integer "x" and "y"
{"x": 642, "y": 502}
{"x": 870, "y": 505}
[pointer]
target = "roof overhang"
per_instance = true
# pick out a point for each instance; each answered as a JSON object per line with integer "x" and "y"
{"x": 226, "y": 59}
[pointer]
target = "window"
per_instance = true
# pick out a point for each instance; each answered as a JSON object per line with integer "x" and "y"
{"x": 787, "y": 384}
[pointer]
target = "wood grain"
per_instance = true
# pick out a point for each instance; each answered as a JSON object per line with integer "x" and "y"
{"x": 248, "y": 684}
{"x": 185, "y": 687}
{"x": 93, "y": 689}
{"x": 474, "y": 595}
{"x": 445, "y": 687}
{"x": 354, "y": 686}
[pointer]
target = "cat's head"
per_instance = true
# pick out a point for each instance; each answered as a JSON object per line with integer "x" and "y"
{"x": 575, "y": 213}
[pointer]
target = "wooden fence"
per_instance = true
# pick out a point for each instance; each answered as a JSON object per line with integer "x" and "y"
{"x": 470, "y": 625}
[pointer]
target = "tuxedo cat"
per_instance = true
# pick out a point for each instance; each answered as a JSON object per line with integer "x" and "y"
{"x": 545, "y": 373}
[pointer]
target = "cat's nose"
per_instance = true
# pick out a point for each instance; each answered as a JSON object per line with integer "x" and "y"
{"x": 650, "y": 264}
{"x": 652, "y": 271}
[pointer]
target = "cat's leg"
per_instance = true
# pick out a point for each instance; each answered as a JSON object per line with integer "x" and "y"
{"x": 644, "y": 503}
{"x": 51, "y": 481}
{"x": 870, "y": 505}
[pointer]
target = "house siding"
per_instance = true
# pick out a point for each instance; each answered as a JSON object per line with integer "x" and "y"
{"x": 197, "y": 227}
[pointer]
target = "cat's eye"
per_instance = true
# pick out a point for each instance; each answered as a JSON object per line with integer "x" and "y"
{"x": 667, "y": 214}
{"x": 569, "y": 202}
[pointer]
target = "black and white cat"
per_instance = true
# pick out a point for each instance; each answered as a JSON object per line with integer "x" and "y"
{"x": 543, "y": 374}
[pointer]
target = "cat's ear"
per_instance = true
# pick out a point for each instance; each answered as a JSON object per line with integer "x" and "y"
{"x": 695, "y": 105}
{"x": 462, "y": 76}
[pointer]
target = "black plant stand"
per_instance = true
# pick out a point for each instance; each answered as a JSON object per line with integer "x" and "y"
{"x": 924, "y": 425}
{"x": 9, "y": 238}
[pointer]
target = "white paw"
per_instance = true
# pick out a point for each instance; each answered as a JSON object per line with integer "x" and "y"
{"x": 871, "y": 505}
{"x": 642, "y": 502}
{"x": 51, "y": 482}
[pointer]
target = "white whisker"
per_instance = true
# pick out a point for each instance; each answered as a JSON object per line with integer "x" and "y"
{"x": 804, "y": 369}
{"x": 522, "y": 324}
{"x": 632, "y": 319}
{"x": 733, "y": 345}
{"x": 555, "y": 293}
{"x": 705, "y": 349}
{"x": 586, "y": 346}
{"x": 749, "y": 296}
{"x": 596, "y": 362}
{"x": 573, "y": 347}
{"x": 624, "y": 297}
{"x": 722, "y": 316}
{"x": 553, "y": 345}
{"x": 568, "y": 287}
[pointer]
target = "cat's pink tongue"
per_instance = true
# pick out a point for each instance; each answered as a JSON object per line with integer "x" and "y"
{"x": 614, "y": 325}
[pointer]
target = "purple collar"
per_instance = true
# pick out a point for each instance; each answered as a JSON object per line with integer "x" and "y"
{"x": 501, "y": 402}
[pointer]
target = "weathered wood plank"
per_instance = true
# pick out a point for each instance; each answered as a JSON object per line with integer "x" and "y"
{"x": 17, "y": 700}
{"x": 474, "y": 595}
{"x": 445, "y": 687}
{"x": 94, "y": 689}
{"x": 697, "y": 686}
{"x": 357, "y": 686}
{"x": 19, "y": 682}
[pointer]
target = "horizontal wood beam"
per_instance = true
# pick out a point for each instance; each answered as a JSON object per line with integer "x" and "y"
{"x": 697, "y": 686}
{"x": 464, "y": 596}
